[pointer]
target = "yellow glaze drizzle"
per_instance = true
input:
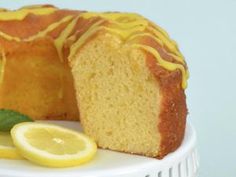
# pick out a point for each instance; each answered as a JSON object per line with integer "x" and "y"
{"x": 22, "y": 13}
{"x": 178, "y": 58}
{"x": 63, "y": 36}
{"x": 39, "y": 34}
{"x": 141, "y": 25}
{"x": 165, "y": 64}
{"x": 2, "y": 65}
{"x": 130, "y": 26}
{"x": 9, "y": 37}
{"x": 92, "y": 30}
{"x": 49, "y": 28}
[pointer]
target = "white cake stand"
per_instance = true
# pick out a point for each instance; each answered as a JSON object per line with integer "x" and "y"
{"x": 181, "y": 163}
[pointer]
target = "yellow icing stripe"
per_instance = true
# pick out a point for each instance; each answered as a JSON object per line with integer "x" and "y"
{"x": 92, "y": 30}
{"x": 49, "y": 28}
{"x": 177, "y": 57}
{"x": 8, "y": 37}
{"x": 22, "y": 13}
{"x": 167, "y": 43}
{"x": 38, "y": 35}
{"x": 187, "y": 74}
{"x": 2, "y": 66}
{"x": 159, "y": 33}
{"x": 63, "y": 36}
{"x": 130, "y": 24}
{"x": 143, "y": 35}
{"x": 165, "y": 64}
{"x": 113, "y": 16}
{"x": 124, "y": 33}
{"x": 180, "y": 59}
{"x": 160, "y": 29}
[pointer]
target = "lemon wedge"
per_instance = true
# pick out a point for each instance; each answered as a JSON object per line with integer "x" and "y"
{"x": 7, "y": 148}
{"x": 52, "y": 146}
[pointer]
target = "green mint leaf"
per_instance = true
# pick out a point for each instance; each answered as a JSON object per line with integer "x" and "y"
{"x": 9, "y": 118}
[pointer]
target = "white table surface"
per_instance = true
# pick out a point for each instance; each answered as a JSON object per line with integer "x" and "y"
{"x": 206, "y": 33}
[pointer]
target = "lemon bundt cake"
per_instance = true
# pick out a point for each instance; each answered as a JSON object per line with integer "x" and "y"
{"x": 123, "y": 73}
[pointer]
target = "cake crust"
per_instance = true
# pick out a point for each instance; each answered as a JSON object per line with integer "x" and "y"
{"x": 173, "y": 107}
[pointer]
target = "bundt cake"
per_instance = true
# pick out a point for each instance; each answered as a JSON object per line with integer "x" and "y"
{"x": 121, "y": 71}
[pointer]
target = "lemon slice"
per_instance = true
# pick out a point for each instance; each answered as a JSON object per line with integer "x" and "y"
{"x": 7, "y": 148}
{"x": 51, "y": 145}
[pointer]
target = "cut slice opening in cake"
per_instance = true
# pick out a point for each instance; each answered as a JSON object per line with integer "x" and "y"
{"x": 118, "y": 97}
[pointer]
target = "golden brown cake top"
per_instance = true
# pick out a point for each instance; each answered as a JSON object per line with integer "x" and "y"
{"x": 76, "y": 27}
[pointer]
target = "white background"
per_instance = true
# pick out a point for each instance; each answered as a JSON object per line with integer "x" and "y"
{"x": 206, "y": 33}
